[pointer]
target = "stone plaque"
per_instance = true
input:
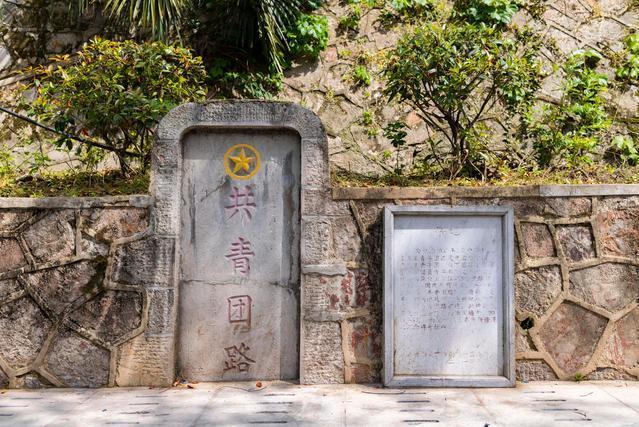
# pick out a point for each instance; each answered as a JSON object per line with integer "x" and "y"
{"x": 448, "y": 296}
{"x": 239, "y": 287}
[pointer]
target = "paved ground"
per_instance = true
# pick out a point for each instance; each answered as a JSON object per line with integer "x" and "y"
{"x": 535, "y": 404}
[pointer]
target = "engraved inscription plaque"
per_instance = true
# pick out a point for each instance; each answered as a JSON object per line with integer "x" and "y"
{"x": 448, "y": 296}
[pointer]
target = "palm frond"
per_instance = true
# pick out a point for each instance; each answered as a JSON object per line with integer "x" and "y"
{"x": 156, "y": 16}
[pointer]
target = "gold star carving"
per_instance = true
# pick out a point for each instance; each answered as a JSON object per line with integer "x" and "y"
{"x": 242, "y": 161}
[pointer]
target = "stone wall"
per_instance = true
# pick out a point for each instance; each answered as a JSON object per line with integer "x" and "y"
{"x": 73, "y": 310}
{"x": 576, "y": 280}
{"x": 86, "y": 300}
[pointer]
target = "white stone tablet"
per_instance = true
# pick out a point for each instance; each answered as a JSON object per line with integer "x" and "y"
{"x": 448, "y": 296}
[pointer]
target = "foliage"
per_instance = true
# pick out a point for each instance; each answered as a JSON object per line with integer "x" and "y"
{"x": 489, "y": 12}
{"x": 350, "y": 21}
{"x": 571, "y": 129}
{"x": 255, "y": 26}
{"x": 238, "y": 84}
{"x": 74, "y": 184}
{"x": 367, "y": 118}
{"x": 245, "y": 27}
{"x": 624, "y": 149}
{"x": 361, "y": 76}
{"x": 411, "y": 11}
{"x": 309, "y": 37}
{"x": 396, "y": 133}
{"x": 115, "y": 93}
{"x": 156, "y": 17}
{"x": 628, "y": 71}
{"x": 454, "y": 74}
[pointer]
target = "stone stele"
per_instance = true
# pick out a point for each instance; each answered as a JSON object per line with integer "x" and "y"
{"x": 448, "y": 296}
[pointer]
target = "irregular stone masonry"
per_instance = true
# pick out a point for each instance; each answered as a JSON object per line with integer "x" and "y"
{"x": 64, "y": 318}
{"x": 576, "y": 283}
{"x": 83, "y": 304}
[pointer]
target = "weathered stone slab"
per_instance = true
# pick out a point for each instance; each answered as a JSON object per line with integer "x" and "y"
{"x": 115, "y": 223}
{"x": 61, "y": 286}
{"x": 111, "y": 314}
{"x": 78, "y": 362}
{"x": 237, "y": 332}
{"x": 570, "y": 336}
{"x": 323, "y": 359}
{"x": 619, "y": 230}
{"x": 537, "y": 288}
{"x": 146, "y": 361}
{"x": 8, "y": 287}
{"x": 622, "y": 348}
{"x": 610, "y": 286}
{"x": 10, "y": 220}
{"x": 23, "y": 329}
{"x": 577, "y": 242}
{"x": 448, "y": 296}
{"x": 331, "y": 298}
{"x": 145, "y": 262}
{"x": 534, "y": 370}
{"x": 239, "y": 247}
{"x": 537, "y": 240}
{"x": 12, "y": 257}
{"x": 52, "y": 237}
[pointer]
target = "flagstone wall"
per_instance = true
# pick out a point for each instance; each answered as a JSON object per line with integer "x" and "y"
{"x": 82, "y": 302}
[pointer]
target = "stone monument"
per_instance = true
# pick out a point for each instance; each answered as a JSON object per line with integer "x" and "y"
{"x": 448, "y": 296}
{"x": 240, "y": 255}
{"x": 232, "y": 183}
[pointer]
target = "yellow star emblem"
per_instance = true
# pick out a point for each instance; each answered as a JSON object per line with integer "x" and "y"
{"x": 242, "y": 161}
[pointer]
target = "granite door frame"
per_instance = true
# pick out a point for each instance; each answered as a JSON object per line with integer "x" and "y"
{"x": 166, "y": 177}
{"x": 507, "y": 228}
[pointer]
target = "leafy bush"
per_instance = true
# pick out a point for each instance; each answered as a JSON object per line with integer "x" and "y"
{"x": 115, "y": 93}
{"x": 628, "y": 71}
{"x": 489, "y": 12}
{"x": 454, "y": 74}
{"x": 361, "y": 76}
{"x": 396, "y": 133}
{"x": 309, "y": 37}
{"x": 250, "y": 85}
{"x": 624, "y": 149}
{"x": 411, "y": 11}
{"x": 350, "y": 22}
{"x": 571, "y": 129}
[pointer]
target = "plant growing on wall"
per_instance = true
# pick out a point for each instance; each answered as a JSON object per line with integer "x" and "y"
{"x": 309, "y": 37}
{"x": 454, "y": 74}
{"x": 571, "y": 129}
{"x": 489, "y": 12}
{"x": 628, "y": 71}
{"x": 115, "y": 92}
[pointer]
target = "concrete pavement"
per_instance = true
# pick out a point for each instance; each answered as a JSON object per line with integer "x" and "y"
{"x": 278, "y": 403}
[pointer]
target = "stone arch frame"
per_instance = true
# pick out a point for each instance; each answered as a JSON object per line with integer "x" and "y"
{"x": 165, "y": 186}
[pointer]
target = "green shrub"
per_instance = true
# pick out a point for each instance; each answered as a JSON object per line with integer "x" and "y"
{"x": 628, "y": 71}
{"x": 361, "y": 76}
{"x": 489, "y": 12}
{"x": 571, "y": 130}
{"x": 309, "y": 37}
{"x": 248, "y": 85}
{"x": 624, "y": 150}
{"x": 115, "y": 93}
{"x": 411, "y": 11}
{"x": 350, "y": 22}
{"x": 396, "y": 134}
{"x": 454, "y": 74}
